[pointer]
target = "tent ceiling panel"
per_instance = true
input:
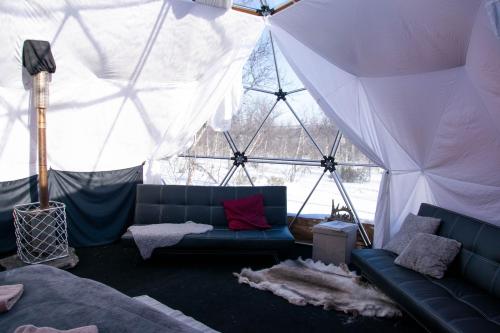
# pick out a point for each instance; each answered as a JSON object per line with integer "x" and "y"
{"x": 430, "y": 95}
{"x": 483, "y": 65}
{"x": 467, "y": 142}
{"x": 386, "y": 37}
{"x": 170, "y": 41}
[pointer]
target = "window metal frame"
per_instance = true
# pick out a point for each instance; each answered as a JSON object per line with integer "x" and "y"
{"x": 327, "y": 162}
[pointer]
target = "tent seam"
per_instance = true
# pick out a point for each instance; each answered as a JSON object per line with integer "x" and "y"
{"x": 450, "y": 97}
{"x": 384, "y": 125}
{"x": 433, "y": 174}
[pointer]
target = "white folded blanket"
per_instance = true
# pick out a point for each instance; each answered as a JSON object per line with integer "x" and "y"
{"x": 151, "y": 236}
{"x": 9, "y": 295}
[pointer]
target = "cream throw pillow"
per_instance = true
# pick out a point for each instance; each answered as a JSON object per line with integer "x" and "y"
{"x": 412, "y": 225}
{"x": 429, "y": 254}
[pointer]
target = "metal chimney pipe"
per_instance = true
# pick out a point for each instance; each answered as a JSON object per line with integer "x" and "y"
{"x": 41, "y": 102}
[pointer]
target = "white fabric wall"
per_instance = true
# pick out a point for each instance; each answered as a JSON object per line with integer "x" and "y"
{"x": 135, "y": 79}
{"x": 493, "y": 9}
{"x": 416, "y": 85}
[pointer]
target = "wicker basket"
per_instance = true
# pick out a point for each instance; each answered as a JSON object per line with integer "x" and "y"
{"x": 41, "y": 234}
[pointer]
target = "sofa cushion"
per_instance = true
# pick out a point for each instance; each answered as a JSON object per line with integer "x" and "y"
{"x": 450, "y": 304}
{"x": 412, "y": 225}
{"x": 479, "y": 259}
{"x": 429, "y": 254}
{"x": 278, "y": 237}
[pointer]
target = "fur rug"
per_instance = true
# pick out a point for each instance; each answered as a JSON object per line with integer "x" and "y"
{"x": 148, "y": 237}
{"x": 304, "y": 282}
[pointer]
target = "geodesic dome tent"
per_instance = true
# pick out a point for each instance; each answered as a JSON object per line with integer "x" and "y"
{"x": 413, "y": 84}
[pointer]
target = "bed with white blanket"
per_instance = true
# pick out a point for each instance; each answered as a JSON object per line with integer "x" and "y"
{"x": 56, "y": 298}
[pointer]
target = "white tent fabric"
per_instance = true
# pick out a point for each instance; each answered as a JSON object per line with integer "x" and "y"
{"x": 416, "y": 85}
{"x": 493, "y": 8}
{"x": 135, "y": 79}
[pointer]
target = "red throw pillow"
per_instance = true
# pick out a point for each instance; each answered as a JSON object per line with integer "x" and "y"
{"x": 246, "y": 213}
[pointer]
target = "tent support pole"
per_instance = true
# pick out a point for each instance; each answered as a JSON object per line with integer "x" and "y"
{"x": 347, "y": 200}
{"x": 227, "y": 174}
{"x": 336, "y": 143}
{"x": 230, "y": 142}
{"x": 275, "y": 61}
{"x": 307, "y": 199}
{"x": 295, "y": 91}
{"x": 304, "y": 127}
{"x": 258, "y": 130}
{"x": 284, "y": 161}
{"x": 259, "y": 90}
{"x": 206, "y": 157}
{"x": 248, "y": 175}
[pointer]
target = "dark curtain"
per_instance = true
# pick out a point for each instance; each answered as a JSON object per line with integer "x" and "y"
{"x": 13, "y": 193}
{"x": 99, "y": 205}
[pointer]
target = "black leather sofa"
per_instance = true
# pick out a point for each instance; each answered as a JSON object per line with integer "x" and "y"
{"x": 467, "y": 299}
{"x": 203, "y": 204}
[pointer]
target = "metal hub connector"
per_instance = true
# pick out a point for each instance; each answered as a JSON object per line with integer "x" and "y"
{"x": 281, "y": 94}
{"x": 265, "y": 10}
{"x": 239, "y": 159}
{"x": 328, "y": 163}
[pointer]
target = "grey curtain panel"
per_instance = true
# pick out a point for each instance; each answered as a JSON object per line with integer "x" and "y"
{"x": 99, "y": 205}
{"x": 13, "y": 193}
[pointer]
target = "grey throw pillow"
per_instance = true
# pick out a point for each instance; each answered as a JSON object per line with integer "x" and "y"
{"x": 429, "y": 254}
{"x": 412, "y": 225}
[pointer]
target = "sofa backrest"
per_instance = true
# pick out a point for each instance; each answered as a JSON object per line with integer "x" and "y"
{"x": 479, "y": 258}
{"x": 202, "y": 204}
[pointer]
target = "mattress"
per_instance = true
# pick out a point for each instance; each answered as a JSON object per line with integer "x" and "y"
{"x": 59, "y": 299}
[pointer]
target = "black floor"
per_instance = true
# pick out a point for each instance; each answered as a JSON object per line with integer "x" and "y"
{"x": 202, "y": 286}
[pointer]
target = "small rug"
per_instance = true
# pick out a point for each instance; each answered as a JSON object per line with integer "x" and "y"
{"x": 303, "y": 282}
{"x": 176, "y": 314}
{"x": 63, "y": 263}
